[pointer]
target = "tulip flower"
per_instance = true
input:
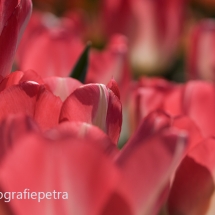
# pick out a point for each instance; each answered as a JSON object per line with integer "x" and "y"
{"x": 97, "y": 105}
{"x": 153, "y": 94}
{"x": 60, "y": 40}
{"x": 93, "y": 103}
{"x": 65, "y": 159}
{"x": 14, "y": 15}
{"x": 153, "y": 29}
{"x": 201, "y": 53}
{"x": 52, "y": 42}
{"x": 194, "y": 99}
{"x": 111, "y": 62}
{"x": 61, "y": 43}
{"x": 110, "y": 59}
{"x": 192, "y": 188}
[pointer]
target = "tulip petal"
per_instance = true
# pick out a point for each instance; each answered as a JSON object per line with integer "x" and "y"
{"x": 150, "y": 125}
{"x": 51, "y": 41}
{"x": 114, "y": 117}
{"x": 116, "y": 205}
{"x": 97, "y": 105}
{"x": 11, "y": 79}
{"x": 14, "y": 16}
{"x": 5, "y": 208}
{"x": 68, "y": 165}
{"x": 154, "y": 94}
{"x": 12, "y": 129}
{"x": 93, "y": 134}
{"x": 19, "y": 99}
{"x": 20, "y": 77}
{"x": 185, "y": 123}
{"x": 110, "y": 62}
{"x": 199, "y": 105}
{"x": 62, "y": 87}
{"x": 31, "y": 99}
{"x": 144, "y": 187}
{"x": 47, "y": 109}
{"x": 194, "y": 184}
{"x": 112, "y": 85}
{"x": 30, "y": 75}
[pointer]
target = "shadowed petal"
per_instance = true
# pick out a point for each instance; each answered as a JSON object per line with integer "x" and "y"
{"x": 14, "y": 15}
{"x": 97, "y": 105}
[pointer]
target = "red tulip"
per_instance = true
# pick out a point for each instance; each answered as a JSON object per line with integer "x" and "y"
{"x": 199, "y": 103}
{"x": 154, "y": 94}
{"x": 111, "y": 62}
{"x": 153, "y": 29}
{"x": 68, "y": 165}
{"x": 95, "y": 104}
{"x": 14, "y": 15}
{"x": 201, "y": 54}
{"x": 101, "y": 63}
{"x": 80, "y": 160}
{"x": 52, "y": 42}
{"x": 194, "y": 99}
{"x": 61, "y": 43}
{"x": 147, "y": 167}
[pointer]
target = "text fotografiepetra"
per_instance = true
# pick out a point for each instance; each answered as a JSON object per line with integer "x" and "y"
{"x": 26, "y": 194}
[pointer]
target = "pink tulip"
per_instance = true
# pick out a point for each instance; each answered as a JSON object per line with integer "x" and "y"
{"x": 194, "y": 99}
{"x": 112, "y": 58}
{"x": 93, "y": 103}
{"x": 153, "y": 29}
{"x": 153, "y": 94}
{"x": 201, "y": 56}
{"x": 14, "y": 15}
{"x": 192, "y": 187}
{"x": 52, "y": 42}
{"x": 80, "y": 159}
{"x": 111, "y": 62}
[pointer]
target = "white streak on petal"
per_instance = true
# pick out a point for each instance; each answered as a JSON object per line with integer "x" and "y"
{"x": 101, "y": 114}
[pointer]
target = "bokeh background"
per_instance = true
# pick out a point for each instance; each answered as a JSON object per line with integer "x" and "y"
{"x": 161, "y": 35}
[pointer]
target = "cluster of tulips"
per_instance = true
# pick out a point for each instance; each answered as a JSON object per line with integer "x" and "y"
{"x": 74, "y": 119}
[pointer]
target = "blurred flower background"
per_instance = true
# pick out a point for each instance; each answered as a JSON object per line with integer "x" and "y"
{"x": 111, "y": 100}
{"x": 157, "y": 38}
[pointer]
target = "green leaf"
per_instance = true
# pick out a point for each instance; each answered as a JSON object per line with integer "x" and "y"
{"x": 79, "y": 71}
